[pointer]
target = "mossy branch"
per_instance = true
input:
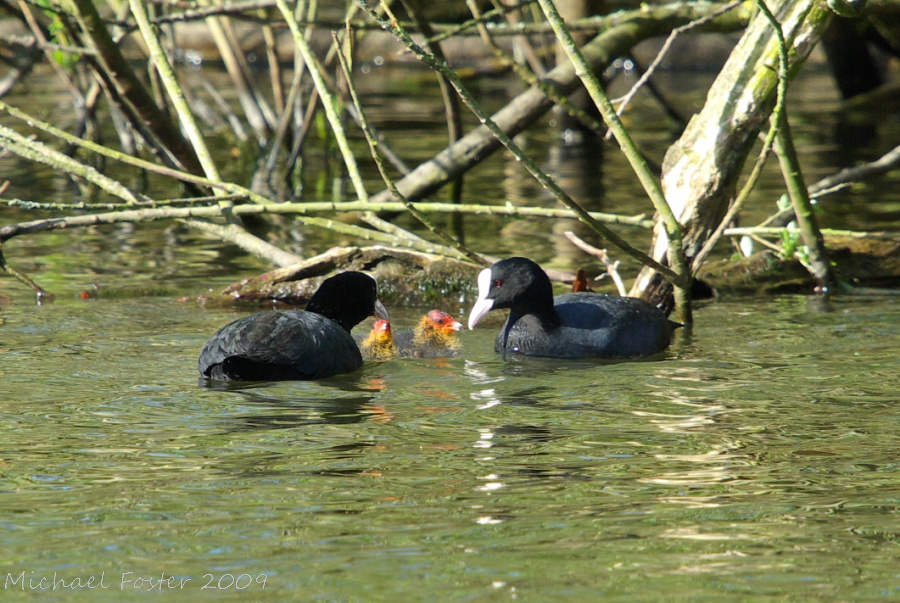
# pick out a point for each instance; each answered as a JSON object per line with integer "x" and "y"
{"x": 297, "y": 209}
{"x": 173, "y": 88}
{"x": 790, "y": 168}
{"x": 41, "y": 153}
{"x": 777, "y": 231}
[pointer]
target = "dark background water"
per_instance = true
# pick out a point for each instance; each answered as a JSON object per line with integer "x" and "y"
{"x": 757, "y": 460}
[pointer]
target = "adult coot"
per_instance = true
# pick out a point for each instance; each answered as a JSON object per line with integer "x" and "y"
{"x": 296, "y": 344}
{"x": 574, "y": 325}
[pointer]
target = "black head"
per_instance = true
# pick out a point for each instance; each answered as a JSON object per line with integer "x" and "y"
{"x": 347, "y": 299}
{"x": 515, "y": 283}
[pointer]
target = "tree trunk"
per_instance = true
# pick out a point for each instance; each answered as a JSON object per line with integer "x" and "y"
{"x": 701, "y": 170}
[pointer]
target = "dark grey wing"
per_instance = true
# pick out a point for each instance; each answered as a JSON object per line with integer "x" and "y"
{"x": 591, "y": 326}
{"x": 235, "y": 338}
{"x": 279, "y": 345}
{"x": 613, "y": 326}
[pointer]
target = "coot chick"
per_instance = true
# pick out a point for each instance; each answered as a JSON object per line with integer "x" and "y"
{"x": 574, "y": 325}
{"x": 433, "y": 337}
{"x": 580, "y": 284}
{"x": 379, "y": 343}
{"x": 296, "y": 344}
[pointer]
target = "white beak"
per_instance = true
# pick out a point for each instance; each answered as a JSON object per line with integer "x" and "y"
{"x": 483, "y": 305}
{"x": 380, "y": 311}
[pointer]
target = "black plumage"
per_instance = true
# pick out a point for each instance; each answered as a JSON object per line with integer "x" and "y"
{"x": 574, "y": 325}
{"x": 296, "y": 344}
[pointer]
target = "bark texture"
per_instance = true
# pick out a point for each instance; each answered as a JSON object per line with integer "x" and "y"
{"x": 701, "y": 170}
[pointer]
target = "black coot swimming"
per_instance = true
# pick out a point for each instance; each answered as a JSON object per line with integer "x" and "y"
{"x": 574, "y": 325}
{"x": 296, "y": 344}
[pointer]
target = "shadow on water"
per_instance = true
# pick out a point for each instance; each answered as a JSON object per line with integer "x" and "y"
{"x": 334, "y": 401}
{"x": 518, "y": 365}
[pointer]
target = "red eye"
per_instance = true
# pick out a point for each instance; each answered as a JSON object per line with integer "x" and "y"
{"x": 498, "y": 283}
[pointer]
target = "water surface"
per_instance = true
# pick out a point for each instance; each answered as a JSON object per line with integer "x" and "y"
{"x": 757, "y": 460}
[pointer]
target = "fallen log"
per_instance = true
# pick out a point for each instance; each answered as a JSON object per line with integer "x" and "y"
{"x": 415, "y": 279}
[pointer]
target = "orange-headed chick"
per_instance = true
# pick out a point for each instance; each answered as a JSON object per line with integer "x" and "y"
{"x": 379, "y": 343}
{"x": 580, "y": 283}
{"x": 433, "y": 337}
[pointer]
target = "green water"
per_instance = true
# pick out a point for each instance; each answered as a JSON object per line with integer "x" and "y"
{"x": 758, "y": 461}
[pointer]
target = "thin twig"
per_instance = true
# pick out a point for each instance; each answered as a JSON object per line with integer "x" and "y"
{"x": 329, "y": 101}
{"x": 237, "y": 191}
{"x": 776, "y": 231}
{"x": 311, "y": 207}
{"x": 530, "y": 76}
{"x": 514, "y": 148}
{"x": 451, "y": 103}
{"x": 41, "y": 153}
{"x": 612, "y": 268}
{"x": 843, "y": 179}
{"x": 680, "y": 273}
{"x": 252, "y": 244}
{"x": 812, "y": 237}
{"x": 42, "y": 294}
{"x": 185, "y": 117}
{"x": 330, "y": 104}
{"x": 657, "y": 60}
{"x": 379, "y": 162}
